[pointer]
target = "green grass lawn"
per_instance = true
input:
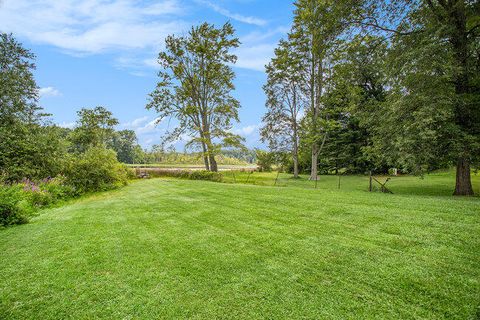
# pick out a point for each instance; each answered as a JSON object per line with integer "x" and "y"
{"x": 164, "y": 248}
{"x": 440, "y": 183}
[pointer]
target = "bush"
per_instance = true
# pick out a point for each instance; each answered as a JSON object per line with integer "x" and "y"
{"x": 96, "y": 170}
{"x": 205, "y": 175}
{"x": 14, "y": 206}
{"x": 265, "y": 160}
{"x": 58, "y": 188}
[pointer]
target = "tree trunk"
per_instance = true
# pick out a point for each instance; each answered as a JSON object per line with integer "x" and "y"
{"x": 205, "y": 159}
{"x": 460, "y": 43}
{"x": 213, "y": 163}
{"x": 295, "y": 148}
{"x": 463, "y": 185}
{"x": 295, "y": 166}
{"x": 211, "y": 153}
{"x": 314, "y": 169}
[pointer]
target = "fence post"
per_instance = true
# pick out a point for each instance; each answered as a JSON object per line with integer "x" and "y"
{"x": 339, "y": 176}
{"x": 276, "y": 178}
{"x": 234, "y": 178}
{"x": 370, "y": 186}
{"x": 248, "y": 177}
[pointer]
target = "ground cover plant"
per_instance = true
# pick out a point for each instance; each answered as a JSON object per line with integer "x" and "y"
{"x": 168, "y": 248}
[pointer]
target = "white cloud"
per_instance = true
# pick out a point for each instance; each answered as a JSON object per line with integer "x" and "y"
{"x": 231, "y": 15}
{"x": 136, "y": 123}
{"x": 247, "y": 130}
{"x": 92, "y": 26}
{"x": 257, "y": 48}
{"x": 48, "y": 92}
{"x": 149, "y": 127}
{"x": 69, "y": 125}
{"x": 254, "y": 57}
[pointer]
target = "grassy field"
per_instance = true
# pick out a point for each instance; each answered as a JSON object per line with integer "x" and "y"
{"x": 436, "y": 184}
{"x": 165, "y": 248}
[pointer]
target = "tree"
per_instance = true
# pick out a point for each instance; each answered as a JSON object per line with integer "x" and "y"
{"x": 124, "y": 143}
{"x": 285, "y": 102}
{"x": 95, "y": 127}
{"x": 18, "y": 89}
{"x": 195, "y": 87}
{"x": 434, "y": 112}
{"x": 317, "y": 26}
{"x": 28, "y": 149}
{"x": 357, "y": 100}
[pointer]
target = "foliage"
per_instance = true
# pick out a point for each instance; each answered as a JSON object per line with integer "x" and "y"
{"x": 13, "y": 205}
{"x": 27, "y": 148}
{"x": 125, "y": 144}
{"x": 58, "y": 187}
{"x": 195, "y": 87}
{"x": 18, "y": 89}
{"x": 265, "y": 160}
{"x": 96, "y": 170}
{"x": 187, "y": 174}
{"x": 432, "y": 115}
{"x": 318, "y": 27}
{"x": 285, "y": 102}
{"x": 94, "y": 129}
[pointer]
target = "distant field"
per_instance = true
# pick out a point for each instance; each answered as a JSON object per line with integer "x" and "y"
{"x": 191, "y": 166}
{"x": 166, "y": 248}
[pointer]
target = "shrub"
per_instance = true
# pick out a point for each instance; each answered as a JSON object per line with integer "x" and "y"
{"x": 59, "y": 188}
{"x": 205, "y": 175}
{"x": 14, "y": 207}
{"x": 96, "y": 170}
{"x": 265, "y": 160}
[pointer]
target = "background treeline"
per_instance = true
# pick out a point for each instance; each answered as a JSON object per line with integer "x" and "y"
{"x": 160, "y": 155}
{"x": 360, "y": 86}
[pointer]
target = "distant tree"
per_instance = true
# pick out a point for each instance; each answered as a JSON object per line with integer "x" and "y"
{"x": 357, "y": 100}
{"x": 124, "y": 143}
{"x": 285, "y": 102}
{"x": 195, "y": 87}
{"x": 265, "y": 160}
{"x": 316, "y": 30}
{"x": 95, "y": 127}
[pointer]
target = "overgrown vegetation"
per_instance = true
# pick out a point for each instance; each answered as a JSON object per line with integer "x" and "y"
{"x": 185, "y": 174}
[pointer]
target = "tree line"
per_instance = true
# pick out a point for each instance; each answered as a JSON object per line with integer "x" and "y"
{"x": 368, "y": 85}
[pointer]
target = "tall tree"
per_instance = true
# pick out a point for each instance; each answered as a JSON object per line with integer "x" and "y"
{"x": 285, "y": 101}
{"x": 125, "y": 143}
{"x": 358, "y": 97}
{"x": 27, "y": 147}
{"x": 317, "y": 26}
{"x": 95, "y": 127}
{"x": 435, "y": 75}
{"x": 195, "y": 87}
{"x": 18, "y": 89}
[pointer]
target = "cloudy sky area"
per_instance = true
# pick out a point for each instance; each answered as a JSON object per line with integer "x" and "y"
{"x": 103, "y": 52}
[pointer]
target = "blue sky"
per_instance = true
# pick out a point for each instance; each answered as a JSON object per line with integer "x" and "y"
{"x": 103, "y": 52}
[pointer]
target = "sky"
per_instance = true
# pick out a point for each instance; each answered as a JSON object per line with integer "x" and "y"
{"x": 103, "y": 53}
